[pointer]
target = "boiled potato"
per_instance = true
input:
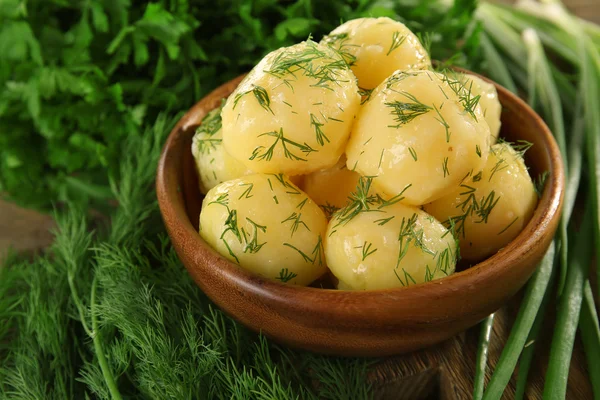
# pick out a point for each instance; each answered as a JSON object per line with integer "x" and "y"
{"x": 420, "y": 134}
{"x": 331, "y": 188}
{"x": 292, "y": 114}
{"x": 213, "y": 164}
{"x": 387, "y": 247}
{"x": 490, "y": 105}
{"x": 376, "y": 47}
{"x": 267, "y": 225}
{"x": 489, "y": 208}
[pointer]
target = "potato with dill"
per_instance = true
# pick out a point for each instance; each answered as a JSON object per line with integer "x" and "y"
{"x": 293, "y": 112}
{"x": 383, "y": 244}
{"x": 376, "y": 47}
{"x": 419, "y": 134}
{"x": 488, "y": 101}
{"x": 213, "y": 164}
{"x": 331, "y": 187}
{"x": 491, "y": 207}
{"x": 265, "y": 224}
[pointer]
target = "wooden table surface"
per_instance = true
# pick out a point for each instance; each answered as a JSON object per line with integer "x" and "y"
{"x": 444, "y": 371}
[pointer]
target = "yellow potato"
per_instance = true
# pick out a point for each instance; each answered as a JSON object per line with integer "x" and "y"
{"x": 420, "y": 134}
{"x": 489, "y": 103}
{"x": 265, "y": 224}
{"x": 489, "y": 208}
{"x": 213, "y": 164}
{"x": 376, "y": 47}
{"x": 293, "y": 113}
{"x": 330, "y": 188}
{"x": 387, "y": 247}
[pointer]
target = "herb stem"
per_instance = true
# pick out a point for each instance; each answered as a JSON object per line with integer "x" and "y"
{"x": 79, "y": 304}
{"x": 542, "y": 83}
{"x": 534, "y": 293}
{"x": 590, "y": 336}
{"x": 95, "y": 335}
{"x": 529, "y": 349}
{"x": 568, "y": 313}
{"x": 482, "y": 356}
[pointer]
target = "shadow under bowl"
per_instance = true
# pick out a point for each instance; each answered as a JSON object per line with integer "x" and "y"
{"x": 359, "y": 323}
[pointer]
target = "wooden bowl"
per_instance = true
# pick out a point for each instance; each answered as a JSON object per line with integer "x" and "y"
{"x": 359, "y": 323}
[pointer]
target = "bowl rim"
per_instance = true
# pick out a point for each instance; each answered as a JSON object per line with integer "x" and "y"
{"x": 173, "y": 209}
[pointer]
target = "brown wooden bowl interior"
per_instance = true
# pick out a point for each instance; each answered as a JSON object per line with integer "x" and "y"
{"x": 360, "y": 323}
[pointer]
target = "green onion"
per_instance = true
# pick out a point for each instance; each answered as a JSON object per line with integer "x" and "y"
{"x": 591, "y": 95}
{"x": 568, "y": 313}
{"x": 590, "y": 336}
{"x": 495, "y": 65}
{"x": 575, "y": 158}
{"x": 482, "y": 355}
{"x": 502, "y": 34}
{"x": 525, "y": 18}
{"x": 529, "y": 350}
{"x": 534, "y": 293}
{"x": 542, "y": 84}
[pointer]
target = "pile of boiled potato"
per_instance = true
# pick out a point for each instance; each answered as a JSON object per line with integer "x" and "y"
{"x": 354, "y": 156}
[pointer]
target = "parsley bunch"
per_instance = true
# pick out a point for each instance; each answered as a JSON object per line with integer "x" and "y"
{"x": 79, "y": 77}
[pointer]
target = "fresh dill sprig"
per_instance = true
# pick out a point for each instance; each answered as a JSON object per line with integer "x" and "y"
{"x": 521, "y": 147}
{"x": 540, "y": 183}
{"x": 470, "y": 207}
{"x": 317, "y": 252}
{"x": 296, "y": 220}
{"x": 362, "y": 200}
{"x": 366, "y": 250}
{"x": 396, "y": 77}
{"x": 211, "y": 123}
{"x": 365, "y": 95}
{"x": 500, "y": 165}
{"x": 383, "y": 221}
{"x": 339, "y": 43}
{"x": 508, "y": 226}
{"x": 462, "y": 88}
{"x": 285, "y": 275}
{"x": 287, "y": 65}
{"x": 206, "y": 145}
{"x": 445, "y": 167}
{"x": 440, "y": 118}
{"x": 413, "y": 153}
{"x": 261, "y": 154}
{"x": 260, "y": 94}
{"x": 287, "y": 185}
{"x": 329, "y": 209}
{"x": 247, "y": 193}
{"x": 359, "y": 201}
{"x": 410, "y": 234}
{"x": 407, "y": 278}
{"x": 317, "y": 126}
{"x": 252, "y": 246}
{"x": 426, "y": 40}
{"x": 381, "y": 202}
{"x": 397, "y": 40}
{"x": 405, "y": 112}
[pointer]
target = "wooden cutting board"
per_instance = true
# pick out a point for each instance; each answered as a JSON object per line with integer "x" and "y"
{"x": 442, "y": 372}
